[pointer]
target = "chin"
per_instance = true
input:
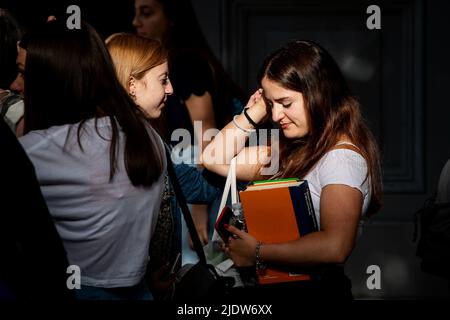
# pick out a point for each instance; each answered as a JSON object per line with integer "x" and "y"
{"x": 155, "y": 115}
{"x": 288, "y": 134}
{"x": 143, "y": 34}
{"x": 293, "y": 134}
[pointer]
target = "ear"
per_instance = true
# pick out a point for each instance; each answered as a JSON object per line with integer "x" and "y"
{"x": 132, "y": 86}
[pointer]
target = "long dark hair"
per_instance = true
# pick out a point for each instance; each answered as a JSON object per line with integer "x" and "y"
{"x": 70, "y": 78}
{"x": 9, "y": 35}
{"x": 332, "y": 111}
{"x": 186, "y": 36}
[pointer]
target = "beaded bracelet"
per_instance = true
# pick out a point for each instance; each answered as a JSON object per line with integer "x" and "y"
{"x": 260, "y": 265}
{"x": 239, "y": 127}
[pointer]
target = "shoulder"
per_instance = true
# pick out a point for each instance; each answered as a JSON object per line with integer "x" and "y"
{"x": 343, "y": 161}
{"x": 57, "y": 136}
{"x": 347, "y": 156}
{"x": 343, "y": 166}
{"x": 35, "y": 140}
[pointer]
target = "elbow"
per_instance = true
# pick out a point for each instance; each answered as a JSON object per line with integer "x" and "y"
{"x": 207, "y": 159}
{"x": 339, "y": 254}
{"x": 339, "y": 258}
{"x": 204, "y": 160}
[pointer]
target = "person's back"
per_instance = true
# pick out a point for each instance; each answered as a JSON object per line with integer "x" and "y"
{"x": 103, "y": 223}
{"x": 98, "y": 161}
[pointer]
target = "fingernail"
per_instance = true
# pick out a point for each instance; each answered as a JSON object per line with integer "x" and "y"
{"x": 226, "y": 225}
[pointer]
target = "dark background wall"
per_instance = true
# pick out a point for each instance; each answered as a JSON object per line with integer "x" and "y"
{"x": 400, "y": 73}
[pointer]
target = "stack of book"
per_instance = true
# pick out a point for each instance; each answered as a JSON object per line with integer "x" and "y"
{"x": 279, "y": 211}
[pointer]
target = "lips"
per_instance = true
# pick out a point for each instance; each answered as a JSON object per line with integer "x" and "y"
{"x": 284, "y": 125}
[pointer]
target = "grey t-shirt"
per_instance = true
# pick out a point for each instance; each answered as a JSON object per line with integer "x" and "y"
{"x": 105, "y": 225}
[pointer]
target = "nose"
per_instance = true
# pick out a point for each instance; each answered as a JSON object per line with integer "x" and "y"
{"x": 277, "y": 113}
{"x": 17, "y": 85}
{"x": 169, "y": 88}
{"x": 136, "y": 22}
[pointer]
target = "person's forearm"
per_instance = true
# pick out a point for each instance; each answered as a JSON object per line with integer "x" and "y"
{"x": 312, "y": 249}
{"x": 231, "y": 139}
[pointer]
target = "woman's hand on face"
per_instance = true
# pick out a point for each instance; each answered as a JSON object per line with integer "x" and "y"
{"x": 241, "y": 247}
{"x": 256, "y": 101}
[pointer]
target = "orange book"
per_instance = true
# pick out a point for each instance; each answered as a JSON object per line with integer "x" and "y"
{"x": 279, "y": 212}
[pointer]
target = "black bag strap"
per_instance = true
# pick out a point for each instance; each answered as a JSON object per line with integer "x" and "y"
{"x": 184, "y": 208}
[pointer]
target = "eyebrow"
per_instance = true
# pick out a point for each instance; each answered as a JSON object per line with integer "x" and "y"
{"x": 165, "y": 74}
{"x": 283, "y": 99}
{"x": 279, "y": 100}
{"x": 144, "y": 6}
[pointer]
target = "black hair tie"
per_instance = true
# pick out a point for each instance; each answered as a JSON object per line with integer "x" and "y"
{"x": 253, "y": 123}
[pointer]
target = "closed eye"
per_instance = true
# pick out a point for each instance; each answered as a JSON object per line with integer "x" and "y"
{"x": 284, "y": 101}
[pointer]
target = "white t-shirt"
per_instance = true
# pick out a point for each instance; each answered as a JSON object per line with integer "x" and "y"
{"x": 339, "y": 166}
{"x": 105, "y": 226}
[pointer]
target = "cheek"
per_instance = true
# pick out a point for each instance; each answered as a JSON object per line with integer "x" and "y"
{"x": 155, "y": 94}
{"x": 149, "y": 25}
{"x": 160, "y": 92}
{"x": 156, "y": 27}
{"x": 144, "y": 97}
{"x": 300, "y": 115}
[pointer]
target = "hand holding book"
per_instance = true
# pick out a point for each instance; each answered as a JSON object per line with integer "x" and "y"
{"x": 241, "y": 248}
{"x": 278, "y": 211}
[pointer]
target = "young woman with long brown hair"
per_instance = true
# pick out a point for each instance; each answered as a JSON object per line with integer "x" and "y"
{"x": 324, "y": 140}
